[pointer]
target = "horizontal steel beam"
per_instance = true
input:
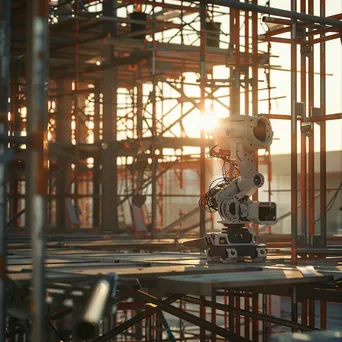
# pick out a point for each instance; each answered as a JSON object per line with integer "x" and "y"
{"x": 277, "y": 11}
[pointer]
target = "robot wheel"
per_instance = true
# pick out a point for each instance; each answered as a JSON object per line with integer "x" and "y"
{"x": 260, "y": 255}
{"x": 231, "y": 256}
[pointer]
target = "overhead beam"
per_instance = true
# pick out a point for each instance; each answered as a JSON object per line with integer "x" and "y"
{"x": 278, "y": 12}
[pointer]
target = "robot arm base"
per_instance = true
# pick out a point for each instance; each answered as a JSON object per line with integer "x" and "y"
{"x": 234, "y": 211}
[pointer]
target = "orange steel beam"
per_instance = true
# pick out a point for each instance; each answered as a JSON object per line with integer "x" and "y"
{"x": 288, "y": 22}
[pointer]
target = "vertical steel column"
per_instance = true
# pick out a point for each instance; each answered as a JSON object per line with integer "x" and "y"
{"x": 159, "y": 327}
{"x": 234, "y": 94}
{"x": 311, "y": 161}
{"x": 154, "y": 130}
{"x": 303, "y": 164}
{"x": 16, "y": 123}
{"x": 231, "y": 302}
{"x": 96, "y": 170}
{"x": 203, "y": 75}
{"x": 246, "y": 61}
{"x": 37, "y": 165}
{"x": 139, "y": 104}
{"x": 255, "y": 85}
{"x": 264, "y": 311}
{"x": 110, "y": 220}
{"x": 294, "y": 218}
{"x": 213, "y": 314}
{"x": 312, "y": 313}
{"x": 323, "y": 152}
{"x": 323, "y": 163}
{"x": 255, "y": 321}
{"x": 294, "y": 306}
{"x": 202, "y": 316}
{"x": 323, "y": 156}
{"x": 246, "y": 319}
{"x": 304, "y": 314}
{"x": 5, "y": 14}
{"x": 246, "y": 299}
{"x": 323, "y": 314}
{"x": 238, "y": 316}
{"x": 63, "y": 135}
{"x": 237, "y": 62}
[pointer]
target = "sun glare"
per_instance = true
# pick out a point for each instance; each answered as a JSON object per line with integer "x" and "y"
{"x": 208, "y": 122}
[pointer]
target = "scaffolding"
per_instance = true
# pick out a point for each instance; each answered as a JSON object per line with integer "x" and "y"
{"x": 95, "y": 114}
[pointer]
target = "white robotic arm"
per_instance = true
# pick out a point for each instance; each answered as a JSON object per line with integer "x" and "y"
{"x": 239, "y": 137}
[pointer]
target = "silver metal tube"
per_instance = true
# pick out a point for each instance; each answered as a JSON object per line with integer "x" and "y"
{"x": 102, "y": 291}
{"x": 36, "y": 177}
{"x": 5, "y": 6}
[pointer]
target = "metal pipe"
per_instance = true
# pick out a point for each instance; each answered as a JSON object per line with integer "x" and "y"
{"x": 304, "y": 315}
{"x": 247, "y": 320}
{"x": 294, "y": 220}
{"x": 246, "y": 54}
{"x": 323, "y": 314}
{"x": 5, "y": 7}
{"x": 303, "y": 164}
{"x": 255, "y": 320}
{"x": 323, "y": 147}
{"x": 96, "y": 174}
{"x": 265, "y": 312}
{"x": 101, "y": 293}
{"x": 213, "y": 314}
{"x": 37, "y": 166}
{"x": 202, "y": 317}
{"x": 277, "y": 12}
{"x": 154, "y": 132}
{"x": 203, "y": 74}
{"x": 238, "y": 316}
{"x": 255, "y": 85}
{"x": 311, "y": 157}
{"x": 294, "y": 306}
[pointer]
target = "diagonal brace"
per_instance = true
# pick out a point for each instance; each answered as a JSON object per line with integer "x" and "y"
{"x": 134, "y": 320}
{"x": 190, "y": 318}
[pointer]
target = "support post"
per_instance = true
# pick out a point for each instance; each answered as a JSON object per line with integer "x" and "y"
{"x": 323, "y": 147}
{"x": 303, "y": 163}
{"x": 63, "y": 136}
{"x": 202, "y": 316}
{"x": 37, "y": 165}
{"x": 96, "y": 174}
{"x": 311, "y": 159}
{"x": 154, "y": 133}
{"x": 110, "y": 220}
{"x": 246, "y": 56}
{"x": 5, "y": 6}
{"x": 294, "y": 306}
{"x": 255, "y": 321}
{"x": 294, "y": 219}
{"x": 213, "y": 315}
{"x": 203, "y": 75}
{"x": 255, "y": 85}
